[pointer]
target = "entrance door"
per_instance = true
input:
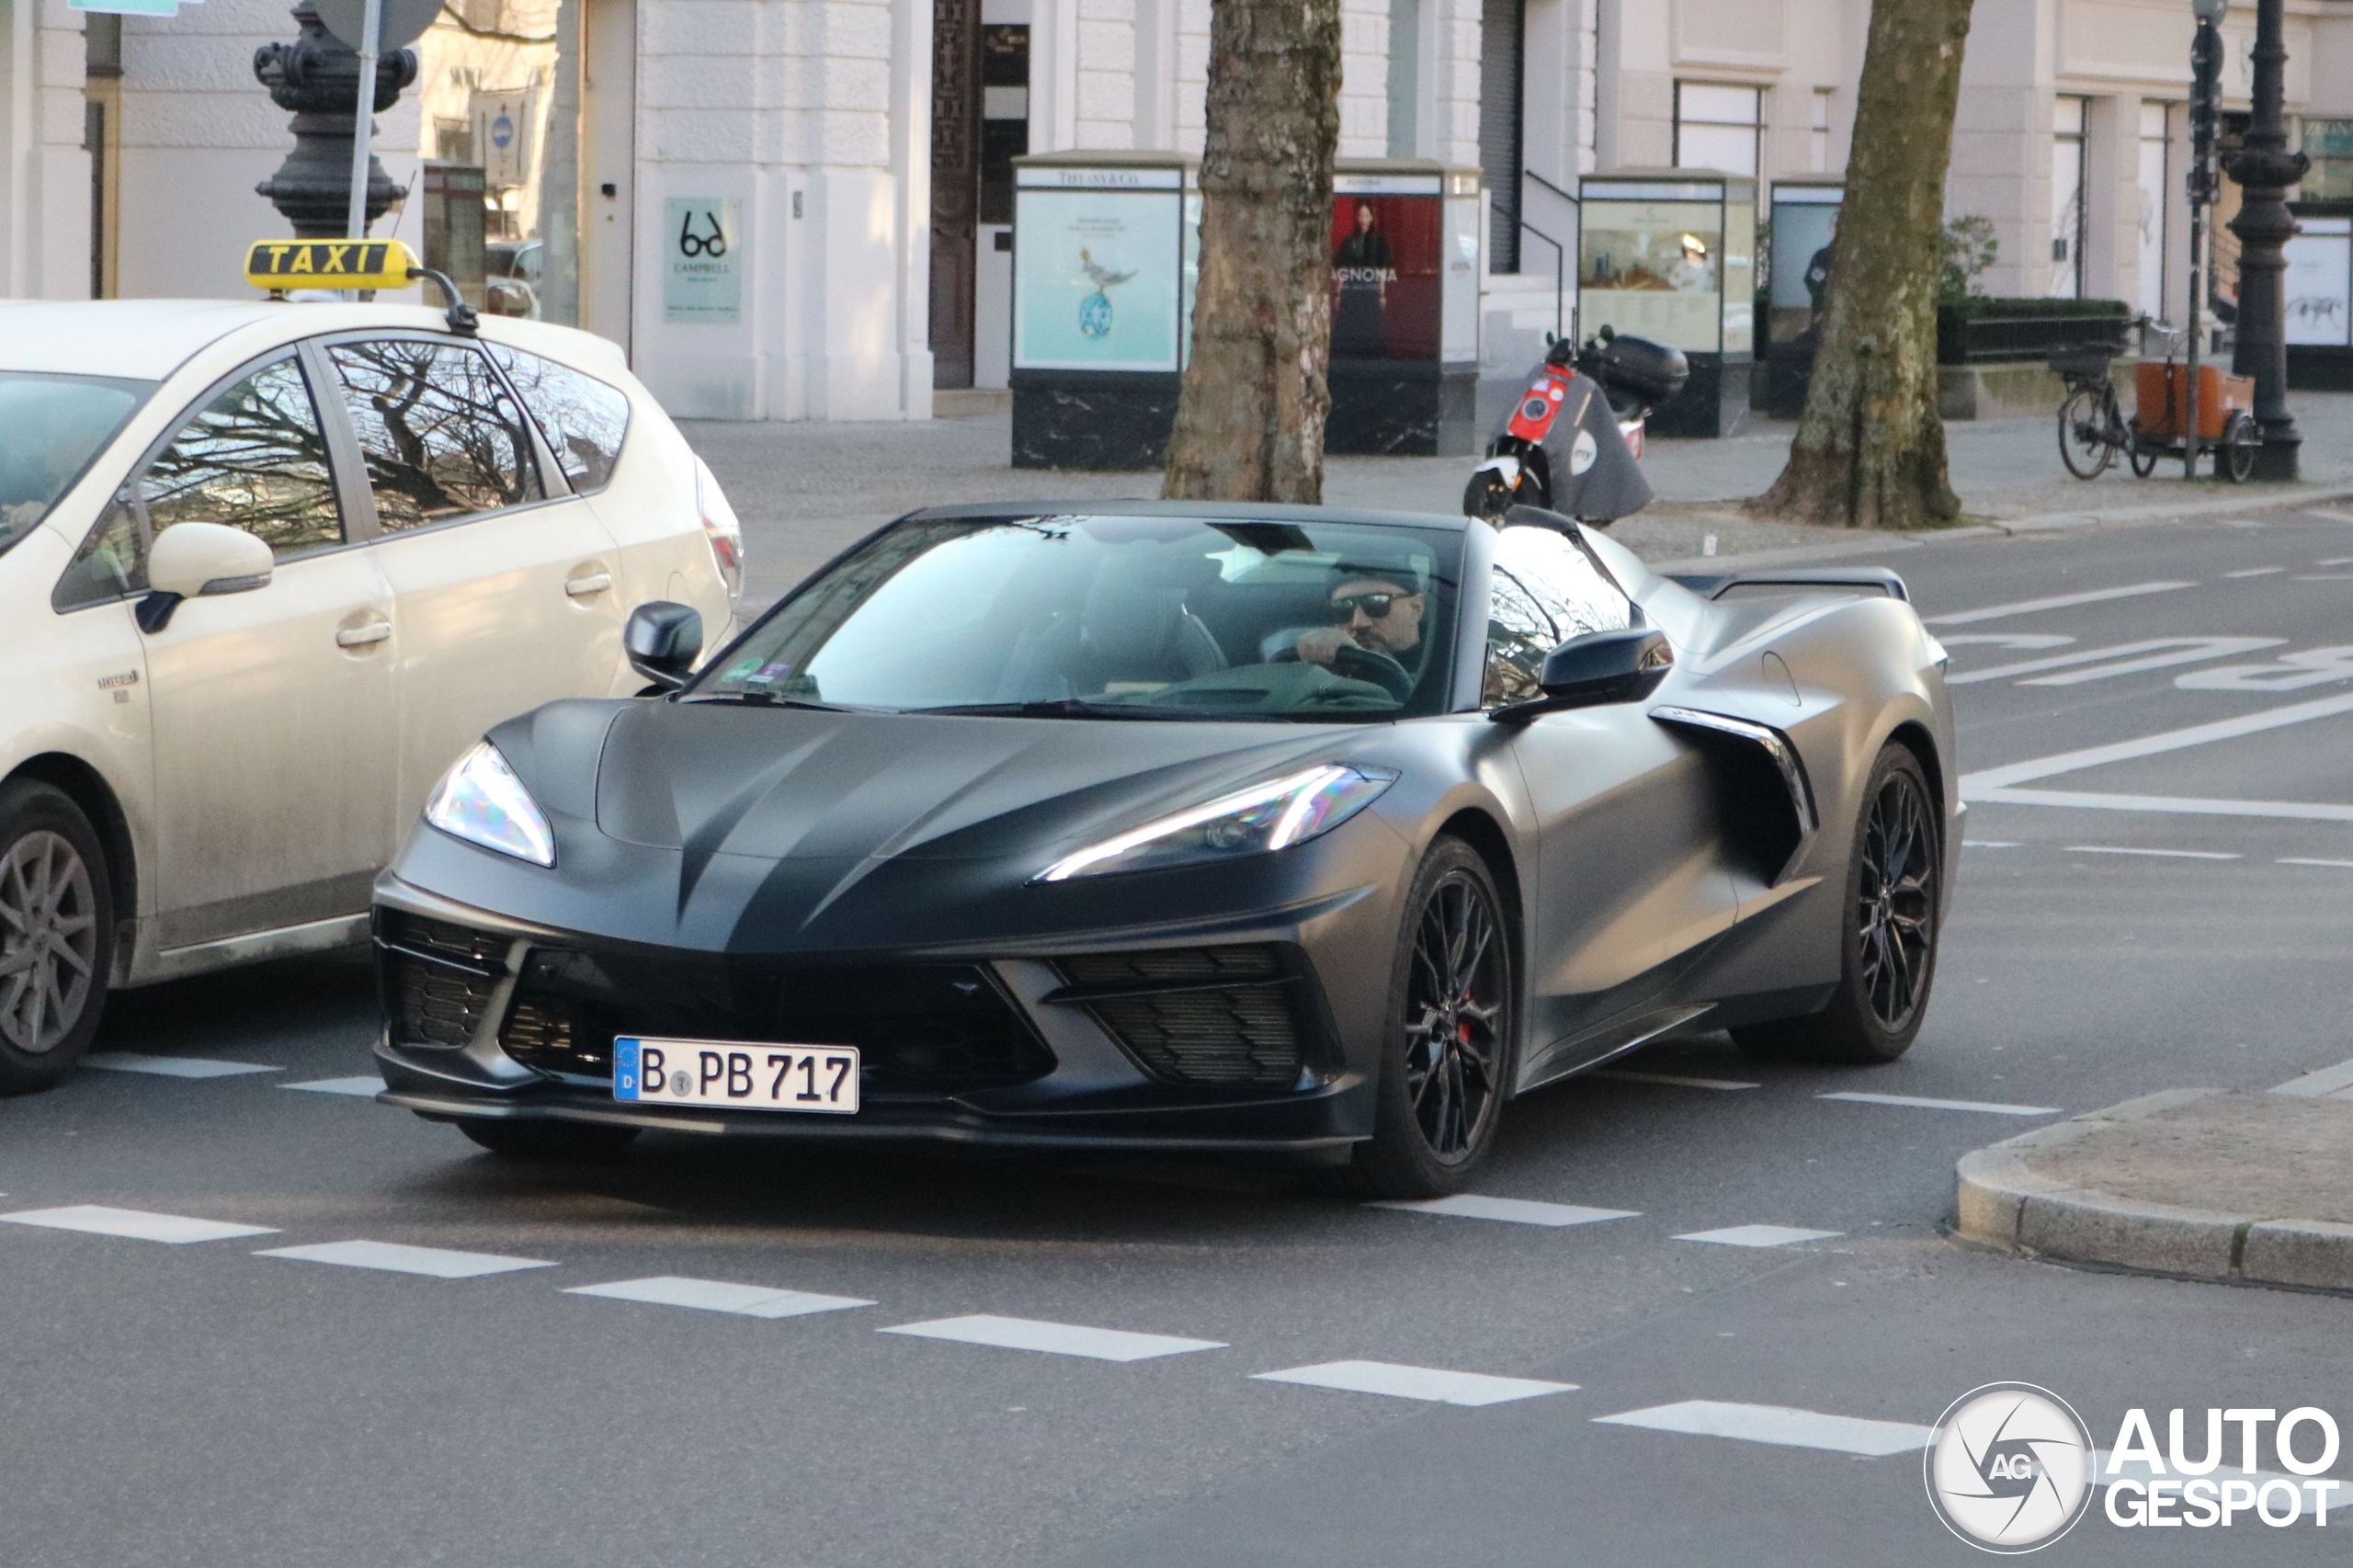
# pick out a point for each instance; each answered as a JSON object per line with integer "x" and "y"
{"x": 955, "y": 185}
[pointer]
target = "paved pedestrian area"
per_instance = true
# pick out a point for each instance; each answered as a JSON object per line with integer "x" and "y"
{"x": 806, "y": 491}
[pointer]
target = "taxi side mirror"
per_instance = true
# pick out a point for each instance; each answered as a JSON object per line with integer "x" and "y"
{"x": 191, "y": 561}
{"x": 661, "y": 641}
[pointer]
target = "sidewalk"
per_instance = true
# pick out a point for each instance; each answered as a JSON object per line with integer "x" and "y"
{"x": 2200, "y": 1184}
{"x": 805, "y": 491}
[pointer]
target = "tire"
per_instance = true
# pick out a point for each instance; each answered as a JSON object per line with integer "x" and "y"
{"x": 1888, "y": 931}
{"x": 2240, "y": 440}
{"x": 550, "y": 1140}
{"x": 1433, "y": 1122}
{"x": 2083, "y": 433}
{"x": 2143, "y": 456}
{"x": 56, "y": 935}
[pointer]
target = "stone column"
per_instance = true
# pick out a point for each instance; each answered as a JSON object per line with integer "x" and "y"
{"x": 2265, "y": 169}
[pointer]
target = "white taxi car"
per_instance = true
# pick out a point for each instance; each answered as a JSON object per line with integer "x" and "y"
{"x": 266, "y": 569}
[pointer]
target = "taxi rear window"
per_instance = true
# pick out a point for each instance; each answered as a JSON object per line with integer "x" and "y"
{"x": 583, "y": 419}
{"x": 50, "y": 428}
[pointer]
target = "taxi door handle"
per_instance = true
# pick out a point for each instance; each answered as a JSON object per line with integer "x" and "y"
{"x": 361, "y": 636}
{"x": 588, "y": 586}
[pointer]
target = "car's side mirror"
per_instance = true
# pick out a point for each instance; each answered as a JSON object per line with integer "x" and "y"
{"x": 199, "y": 560}
{"x": 663, "y": 640}
{"x": 1597, "y": 668}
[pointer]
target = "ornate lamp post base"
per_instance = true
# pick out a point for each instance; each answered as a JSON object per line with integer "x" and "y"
{"x": 316, "y": 78}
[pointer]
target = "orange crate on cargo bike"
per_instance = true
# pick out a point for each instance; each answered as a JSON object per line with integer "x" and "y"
{"x": 2163, "y": 391}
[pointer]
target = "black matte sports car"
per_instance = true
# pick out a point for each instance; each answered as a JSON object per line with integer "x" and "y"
{"x": 1181, "y": 827}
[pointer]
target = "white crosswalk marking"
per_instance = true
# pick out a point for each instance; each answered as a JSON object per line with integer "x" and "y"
{"x": 1054, "y": 1338}
{"x": 171, "y": 1066}
{"x": 1514, "y": 1211}
{"x": 394, "y": 1258}
{"x": 1432, "y": 1384}
{"x": 1777, "y": 1424}
{"x": 371, "y": 1085}
{"x": 1759, "y": 1236}
{"x": 99, "y": 1220}
{"x": 1625, "y": 1076}
{"x": 719, "y": 1296}
{"x": 1920, "y": 1103}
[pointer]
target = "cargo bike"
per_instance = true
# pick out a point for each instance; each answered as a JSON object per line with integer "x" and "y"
{"x": 2092, "y": 429}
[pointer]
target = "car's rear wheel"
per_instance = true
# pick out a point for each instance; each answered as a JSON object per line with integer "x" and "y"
{"x": 1888, "y": 933}
{"x": 1447, "y": 1045}
{"x": 537, "y": 1139}
{"x": 56, "y": 935}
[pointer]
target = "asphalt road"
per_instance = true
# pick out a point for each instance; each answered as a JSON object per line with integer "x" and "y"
{"x": 205, "y": 1403}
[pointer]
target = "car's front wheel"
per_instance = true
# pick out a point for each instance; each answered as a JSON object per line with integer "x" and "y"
{"x": 553, "y": 1141}
{"x": 56, "y": 935}
{"x": 1447, "y": 1044}
{"x": 1887, "y": 934}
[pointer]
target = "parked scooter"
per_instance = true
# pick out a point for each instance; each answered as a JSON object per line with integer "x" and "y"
{"x": 1574, "y": 439}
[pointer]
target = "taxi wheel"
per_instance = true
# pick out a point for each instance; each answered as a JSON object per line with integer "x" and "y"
{"x": 56, "y": 935}
{"x": 551, "y": 1140}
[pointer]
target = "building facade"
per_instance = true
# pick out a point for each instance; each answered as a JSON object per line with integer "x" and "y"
{"x": 800, "y": 209}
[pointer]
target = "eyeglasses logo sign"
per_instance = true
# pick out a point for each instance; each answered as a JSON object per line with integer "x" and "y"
{"x": 2010, "y": 1470}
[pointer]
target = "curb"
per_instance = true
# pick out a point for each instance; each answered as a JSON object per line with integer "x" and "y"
{"x": 2005, "y": 1204}
{"x": 2044, "y": 522}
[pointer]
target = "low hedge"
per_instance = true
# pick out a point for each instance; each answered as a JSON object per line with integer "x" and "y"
{"x": 1981, "y": 330}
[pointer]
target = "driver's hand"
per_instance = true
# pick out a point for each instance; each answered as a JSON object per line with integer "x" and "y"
{"x": 1323, "y": 644}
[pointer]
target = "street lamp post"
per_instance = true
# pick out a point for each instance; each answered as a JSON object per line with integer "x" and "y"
{"x": 2265, "y": 169}
{"x": 317, "y": 78}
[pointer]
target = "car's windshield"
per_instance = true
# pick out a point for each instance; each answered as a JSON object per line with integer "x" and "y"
{"x": 1116, "y": 617}
{"x": 51, "y": 427}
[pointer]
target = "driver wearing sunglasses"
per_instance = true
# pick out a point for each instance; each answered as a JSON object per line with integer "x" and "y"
{"x": 1375, "y": 630}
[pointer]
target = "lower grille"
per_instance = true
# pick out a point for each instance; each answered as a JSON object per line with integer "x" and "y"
{"x": 1217, "y": 1016}
{"x": 438, "y": 1005}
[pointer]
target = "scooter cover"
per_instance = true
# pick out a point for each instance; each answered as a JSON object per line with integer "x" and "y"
{"x": 1594, "y": 474}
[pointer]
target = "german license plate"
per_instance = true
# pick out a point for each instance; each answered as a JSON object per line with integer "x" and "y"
{"x": 821, "y": 1078}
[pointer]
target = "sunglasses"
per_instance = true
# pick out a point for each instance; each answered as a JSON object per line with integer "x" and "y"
{"x": 1375, "y": 605}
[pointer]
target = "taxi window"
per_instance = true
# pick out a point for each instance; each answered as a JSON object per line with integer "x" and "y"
{"x": 52, "y": 426}
{"x": 582, "y": 418}
{"x": 441, "y": 437}
{"x": 254, "y": 458}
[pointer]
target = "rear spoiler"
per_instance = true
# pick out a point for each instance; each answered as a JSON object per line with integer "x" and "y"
{"x": 1880, "y": 580}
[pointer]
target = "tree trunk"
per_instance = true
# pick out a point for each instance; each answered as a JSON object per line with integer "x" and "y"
{"x": 1870, "y": 450}
{"x": 1250, "y": 418}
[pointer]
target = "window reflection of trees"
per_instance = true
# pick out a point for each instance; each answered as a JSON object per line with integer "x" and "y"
{"x": 1546, "y": 590}
{"x": 582, "y": 418}
{"x": 441, "y": 437}
{"x": 255, "y": 459}
{"x": 1519, "y": 636}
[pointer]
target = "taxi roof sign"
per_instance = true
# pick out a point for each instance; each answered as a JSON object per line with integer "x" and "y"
{"x": 330, "y": 264}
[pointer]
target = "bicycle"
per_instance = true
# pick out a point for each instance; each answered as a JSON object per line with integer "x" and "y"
{"x": 2092, "y": 428}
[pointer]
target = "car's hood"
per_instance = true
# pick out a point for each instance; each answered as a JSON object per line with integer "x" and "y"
{"x": 714, "y": 779}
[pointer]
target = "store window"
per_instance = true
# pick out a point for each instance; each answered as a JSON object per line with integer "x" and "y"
{"x": 2149, "y": 296}
{"x": 2070, "y": 118}
{"x": 2329, "y": 144}
{"x": 1717, "y": 127}
{"x": 1818, "y": 137}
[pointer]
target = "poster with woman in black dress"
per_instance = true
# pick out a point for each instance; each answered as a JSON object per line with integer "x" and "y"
{"x": 1363, "y": 266}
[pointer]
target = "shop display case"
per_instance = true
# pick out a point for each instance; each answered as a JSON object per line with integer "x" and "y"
{"x": 1800, "y": 260}
{"x": 2318, "y": 289}
{"x": 1104, "y": 258}
{"x": 1404, "y": 364}
{"x": 1671, "y": 254}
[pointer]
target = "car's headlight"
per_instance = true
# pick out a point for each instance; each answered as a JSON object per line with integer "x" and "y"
{"x": 482, "y": 802}
{"x": 1273, "y": 816}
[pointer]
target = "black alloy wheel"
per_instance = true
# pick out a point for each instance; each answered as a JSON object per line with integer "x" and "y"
{"x": 1894, "y": 901}
{"x": 56, "y": 935}
{"x": 550, "y": 1140}
{"x": 2083, "y": 433}
{"x": 1448, "y": 1046}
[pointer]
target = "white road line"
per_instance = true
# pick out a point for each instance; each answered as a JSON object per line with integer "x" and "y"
{"x": 1918, "y": 1103}
{"x": 2324, "y": 576}
{"x": 2150, "y": 746}
{"x": 2317, "y": 1085}
{"x": 2178, "y": 805}
{"x": 1627, "y": 1076}
{"x": 1780, "y": 1425}
{"x": 2121, "y": 659}
{"x": 2335, "y": 865}
{"x": 1431, "y": 1383}
{"x": 1054, "y": 1338}
{"x": 2154, "y": 854}
{"x": 2005, "y": 640}
{"x": 171, "y": 1066}
{"x": 99, "y": 1220}
{"x": 371, "y": 1085}
{"x": 1759, "y": 1236}
{"x": 394, "y": 1258}
{"x": 2057, "y": 601}
{"x": 2335, "y": 560}
{"x": 1989, "y": 844}
{"x": 719, "y": 1296}
{"x": 1514, "y": 1211}
{"x": 2254, "y": 572}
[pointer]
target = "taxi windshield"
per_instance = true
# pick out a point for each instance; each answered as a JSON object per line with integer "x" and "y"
{"x": 51, "y": 427}
{"x": 1149, "y": 618}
